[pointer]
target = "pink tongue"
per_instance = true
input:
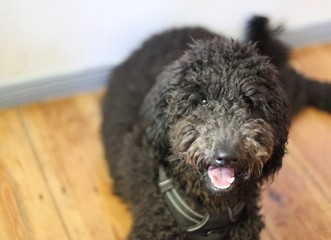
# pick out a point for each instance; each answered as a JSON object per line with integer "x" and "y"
{"x": 221, "y": 177}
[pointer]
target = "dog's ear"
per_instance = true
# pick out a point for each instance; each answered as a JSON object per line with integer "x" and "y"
{"x": 272, "y": 166}
{"x": 282, "y": 124}
{"x": 154, "y": 113}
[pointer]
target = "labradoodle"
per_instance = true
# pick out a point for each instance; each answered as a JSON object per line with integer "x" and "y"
{"x": 193, "y": 124}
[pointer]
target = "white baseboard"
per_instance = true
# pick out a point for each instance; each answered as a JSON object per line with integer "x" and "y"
{"x": 89, "y": 80}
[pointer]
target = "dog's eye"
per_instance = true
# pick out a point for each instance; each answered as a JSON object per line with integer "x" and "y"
{"x": 249, "y": 101}
{"x": 204, "y": 101}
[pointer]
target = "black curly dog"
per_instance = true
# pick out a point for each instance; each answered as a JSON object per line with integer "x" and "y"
{"x": 195, "y": 123}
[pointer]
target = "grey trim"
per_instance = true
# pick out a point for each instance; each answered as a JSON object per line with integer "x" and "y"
{"x": 52, "y": 87}
{"x": 185, "y": 205}
{"x": 89, "y": 80}
{"x": 313, "y": 34}
{"x": 193, "y": 220}
{"x": 178, "y": 208}
{"x": 199, "y": 225}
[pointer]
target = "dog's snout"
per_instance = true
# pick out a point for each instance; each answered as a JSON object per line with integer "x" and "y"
{"x": 227, "y": 157}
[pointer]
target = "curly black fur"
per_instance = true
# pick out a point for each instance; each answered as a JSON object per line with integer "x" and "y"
{"x": 183, "y": 98}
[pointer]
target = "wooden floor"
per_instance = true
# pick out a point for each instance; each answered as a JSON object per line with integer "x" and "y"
{"x": 54, "y": 184}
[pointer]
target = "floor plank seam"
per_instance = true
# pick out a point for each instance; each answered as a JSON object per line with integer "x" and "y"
{"x": 37, "y": 159}
{"x": 269, "y": 233}
{"x": 314, "y": 181}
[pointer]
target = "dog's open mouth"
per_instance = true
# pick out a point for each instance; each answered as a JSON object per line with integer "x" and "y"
{"x": 222, "y": 178}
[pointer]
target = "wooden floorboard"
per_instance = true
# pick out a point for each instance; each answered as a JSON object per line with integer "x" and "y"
{"x": 28, "y": 210}
{"x": 65, "y": 136}
{"x": 54, "y": 182}
{"x": 297, "y": 205}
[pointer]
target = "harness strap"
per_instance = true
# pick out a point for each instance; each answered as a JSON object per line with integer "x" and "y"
{"x": 197, "y": 225}
{"x": 184, "y": 214}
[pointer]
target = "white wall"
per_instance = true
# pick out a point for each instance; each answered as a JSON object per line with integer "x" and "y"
{"x": 41, "y": 38}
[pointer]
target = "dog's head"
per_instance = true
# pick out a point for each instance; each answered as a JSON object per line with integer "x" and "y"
{"x": 219, "y": 116}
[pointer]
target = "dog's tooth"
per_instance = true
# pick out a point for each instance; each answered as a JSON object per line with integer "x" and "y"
{"x": 218, "y": 161}
{"x": 231, "y": 180}
{"x": 224, "y": 187}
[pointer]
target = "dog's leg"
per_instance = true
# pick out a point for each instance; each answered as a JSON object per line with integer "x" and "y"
{"x": 152, "y": 220}
{"x": 303, "y": 91}
{"x": 137, "y": 179}
{"x": 151, "y": 217}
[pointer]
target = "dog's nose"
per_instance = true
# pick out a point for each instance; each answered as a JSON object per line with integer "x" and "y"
{"x": 227, "y": 157}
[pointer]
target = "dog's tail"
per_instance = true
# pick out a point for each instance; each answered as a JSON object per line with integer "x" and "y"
{"x": 301, "y": 91}
{"x": 259, "y": 32}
